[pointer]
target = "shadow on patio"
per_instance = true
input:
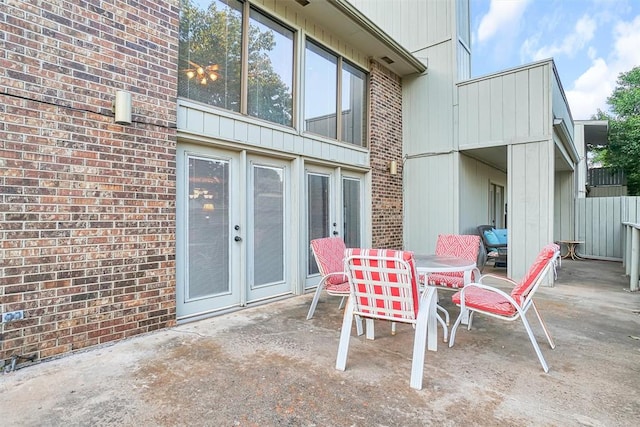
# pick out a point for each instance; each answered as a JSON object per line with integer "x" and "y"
{"x": 268, "y": 366}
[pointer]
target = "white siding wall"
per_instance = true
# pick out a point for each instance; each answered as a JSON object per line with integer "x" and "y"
{"x": 564, "y": 212}
{"x": 475, "y": 180}
{"x": 429, "y": 208}
{"x": 415, "y": 24}
{"x": 599, "y": 224}
{"x": 201, "y": 121}
{"x": 531, "y": 210}
{"x": 511, "y": 107}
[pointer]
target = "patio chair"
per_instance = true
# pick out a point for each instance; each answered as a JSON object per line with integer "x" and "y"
{"x": 329, "y": 253}
{"x": 465, "y": 246}
{"x": 383, "y": 285}
{"x": 495, "y": 245}
{"x": 484, "y": 299}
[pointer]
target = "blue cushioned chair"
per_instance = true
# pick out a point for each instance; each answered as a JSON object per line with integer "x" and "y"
{"x": 495, "y": 244}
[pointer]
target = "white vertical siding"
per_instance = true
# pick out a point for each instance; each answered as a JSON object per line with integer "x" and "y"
{"x": 510, "y": 107}
{"x": 429, "y": 209}
{"x": 415, "y": 24}
{"x": 599, "y": 224}
{"x": 530, "y": 211}
{"x": 427, "y": 105}
{"x": 564, "y": 212}
{"x": 200, "y": 121}
{"x": 475, "y": 179}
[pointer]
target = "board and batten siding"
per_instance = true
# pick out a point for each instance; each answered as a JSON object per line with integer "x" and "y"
{"x": 599, "y": 225}
{"x": 415, "y": 24}
{"x": 207, "y": 122}
{"x": 564, "y": 206}
{"x": 531, "y": 205}
{"x": 475, "y": 179}
{"x": 430, "y": 207}
{"x": 506, "y": 108}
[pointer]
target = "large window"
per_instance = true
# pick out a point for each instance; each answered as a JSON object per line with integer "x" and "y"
{"x": 210, "y": 53}
{"x": 270, "y": 70}
{"x": 321, "y": 100}
{"x": 211, "y": 62}
{"x": 233, "y": 56}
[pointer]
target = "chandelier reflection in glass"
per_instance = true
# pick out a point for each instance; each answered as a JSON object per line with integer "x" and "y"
{"x": 203, "y": 74}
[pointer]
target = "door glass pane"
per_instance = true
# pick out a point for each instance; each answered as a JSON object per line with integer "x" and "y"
{"x": 353, "y": 105}
{"x": 320, "y": 91}
{"x": 351, "y": 212}
{"x": 209, "y": 54}
{"x": 268, "y": 220}
{"x": 208, "y": 239}
{"x": 318, "y": 212}
{"x": 270, "y": 70}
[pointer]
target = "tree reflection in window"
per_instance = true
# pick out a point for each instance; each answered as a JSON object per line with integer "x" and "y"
{"x": 211, "y": 43}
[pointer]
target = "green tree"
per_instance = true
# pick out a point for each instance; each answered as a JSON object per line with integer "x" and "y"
{"x": 623, "y": 150}
{"x": 212, "y": 37}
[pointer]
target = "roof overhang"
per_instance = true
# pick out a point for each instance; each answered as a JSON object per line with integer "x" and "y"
{"x": 341, "y": 18}
{"x": 596, "y": 132}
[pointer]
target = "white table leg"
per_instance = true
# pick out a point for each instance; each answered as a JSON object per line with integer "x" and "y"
{"x": 432, "y": 322}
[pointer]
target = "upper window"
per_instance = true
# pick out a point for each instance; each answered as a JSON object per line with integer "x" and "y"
{"x": 270, "y": 77}
{"x": 321, "y": 100}
{"x": 210, "y": 53}
{"x": 211, "y": 63}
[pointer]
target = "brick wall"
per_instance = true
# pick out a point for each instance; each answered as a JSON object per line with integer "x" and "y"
{"x": 87, "y": 207}
{"x": 386, "y": 144}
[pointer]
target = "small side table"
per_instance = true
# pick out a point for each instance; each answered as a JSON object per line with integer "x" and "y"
{"x": 572, "y": 246}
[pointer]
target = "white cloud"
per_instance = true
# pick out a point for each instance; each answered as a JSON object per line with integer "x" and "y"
{"x": 627, "y": 44}
{"x": 591, "y": 89}
{"x": 502, "y": 15}
{"x": 575, "y": 41}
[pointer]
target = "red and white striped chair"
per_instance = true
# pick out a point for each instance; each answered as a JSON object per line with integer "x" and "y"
{"x": 383, "y": 285}
{"x": 465, "y": 246}
{"x": 329, "y": 254}
{"x": 484, "y": 299}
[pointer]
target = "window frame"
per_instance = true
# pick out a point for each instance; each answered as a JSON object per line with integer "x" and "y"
{"x": 341, "y": 60}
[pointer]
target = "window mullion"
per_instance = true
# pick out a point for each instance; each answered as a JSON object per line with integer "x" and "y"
{"x": 339, "y": 100}
{"x": 244, "y": 81}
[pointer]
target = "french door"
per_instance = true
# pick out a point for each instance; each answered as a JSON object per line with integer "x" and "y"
{"x": 334, "y": 207}
{"x": 231, "y": 234}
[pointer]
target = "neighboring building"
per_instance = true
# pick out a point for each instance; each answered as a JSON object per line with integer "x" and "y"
{"x": 235, "y": 158}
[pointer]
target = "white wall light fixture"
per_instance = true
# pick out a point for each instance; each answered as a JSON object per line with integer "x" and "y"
{"x": 393, "y": 167}
{"x": 122, "y": 107}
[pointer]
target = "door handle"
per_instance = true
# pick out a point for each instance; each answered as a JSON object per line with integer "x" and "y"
{"x": 335, "y": 233}
{"x": 238, "y": 239}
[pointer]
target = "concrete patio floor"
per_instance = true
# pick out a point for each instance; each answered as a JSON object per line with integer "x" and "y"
{"x": 268, "y": 366}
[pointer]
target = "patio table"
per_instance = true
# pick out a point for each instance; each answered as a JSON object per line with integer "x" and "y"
{"x": 572, "y": 246}
{"x": 426, "y": 264}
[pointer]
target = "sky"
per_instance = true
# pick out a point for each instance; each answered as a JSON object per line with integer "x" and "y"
{"x": 591, "y": 42}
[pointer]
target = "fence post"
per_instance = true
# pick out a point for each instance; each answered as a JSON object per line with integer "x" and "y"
{"x": 635, "y": 258}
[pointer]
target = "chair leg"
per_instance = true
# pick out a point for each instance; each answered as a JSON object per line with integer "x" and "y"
{"x": 345, "y": 334}
{"x": 452, "y": 336}
{"x": 443, "y": 323}
{"x": 552, "y": 344}
{"x": 427, "y": 305}
{"x": 314, "y": 302}
{"x": 446, "y": 313}
{"x": 536, "y": 347}
{"x": 341, "y": 306}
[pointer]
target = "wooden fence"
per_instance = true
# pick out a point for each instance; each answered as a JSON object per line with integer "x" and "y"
{"x": 599, "y": 225}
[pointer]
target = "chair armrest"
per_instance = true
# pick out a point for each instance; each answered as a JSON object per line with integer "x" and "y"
{"x": 499, "y": 278}
{"x": 488, "y": 288}
{"x": 337, "y": 273}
